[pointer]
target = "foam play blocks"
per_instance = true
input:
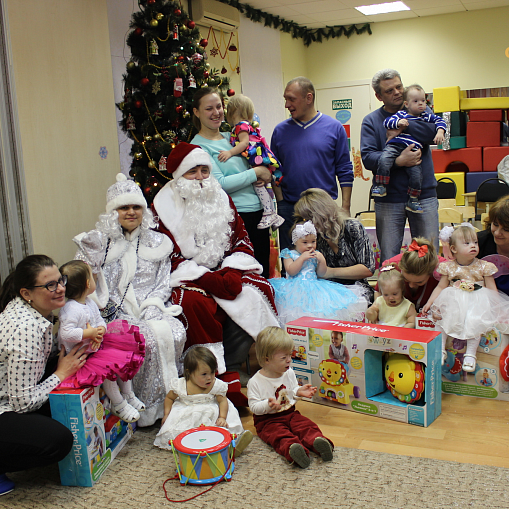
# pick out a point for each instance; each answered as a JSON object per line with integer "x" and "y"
{"x": 458, "y": 123}
{"x": 491, "y": 156}
{"x": 485, "y": 116}
{"x": 359, "y": 384}
{"x": 483, "y": 134}
{"x": 474, "y": 180}
{"x": 459, "y": 180}
{"x": 471, "y": 157}
{"x": 446, "y": 99}
{"x": 456, "y": 142}
{"x": 484, "y": 103}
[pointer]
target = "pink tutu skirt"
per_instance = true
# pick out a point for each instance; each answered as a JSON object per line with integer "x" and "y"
{"x": 121, "y": 354}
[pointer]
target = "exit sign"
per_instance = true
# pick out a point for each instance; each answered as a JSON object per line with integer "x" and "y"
{"x": 342, "y": 104}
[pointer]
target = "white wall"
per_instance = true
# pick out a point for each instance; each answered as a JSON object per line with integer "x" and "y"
{"x": 261, "y": 72}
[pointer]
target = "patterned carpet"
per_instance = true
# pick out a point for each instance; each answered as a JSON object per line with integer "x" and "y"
{"x": 263, "y": 479}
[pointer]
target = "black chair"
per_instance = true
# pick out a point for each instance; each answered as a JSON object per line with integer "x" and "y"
{"x": 490, "y": 191}
{"x": 446, "y": 188}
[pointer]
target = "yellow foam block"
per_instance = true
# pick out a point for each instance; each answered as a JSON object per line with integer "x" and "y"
{"x": 484, "y": 103}
{"x": 446, "y": 99}
{"x": 459, "y": 179}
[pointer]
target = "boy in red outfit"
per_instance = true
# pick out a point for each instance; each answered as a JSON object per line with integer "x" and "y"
{"x": 271, "y": 393}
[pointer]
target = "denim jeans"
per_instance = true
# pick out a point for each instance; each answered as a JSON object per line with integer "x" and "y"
{"x": 390, "y": 225}
{"x": 386, "y": 162}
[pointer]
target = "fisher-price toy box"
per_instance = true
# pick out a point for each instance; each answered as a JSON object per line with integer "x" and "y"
{"x": 359, "y": 384}
{"x": 85, "y": 412}
{"x": 485, "y": 381}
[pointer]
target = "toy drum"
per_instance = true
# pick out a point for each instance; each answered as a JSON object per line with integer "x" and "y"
{"x": 203, "y": 455}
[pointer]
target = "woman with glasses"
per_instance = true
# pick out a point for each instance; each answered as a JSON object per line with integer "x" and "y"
{"x": 132, "y": 265}
{"x": 29, "y": 437}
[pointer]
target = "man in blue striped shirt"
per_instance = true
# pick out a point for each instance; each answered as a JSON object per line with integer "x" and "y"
{"x": 415, "y": 104}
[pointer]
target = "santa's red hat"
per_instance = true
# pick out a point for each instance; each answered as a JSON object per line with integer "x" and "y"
{"x": 184, "y": 157}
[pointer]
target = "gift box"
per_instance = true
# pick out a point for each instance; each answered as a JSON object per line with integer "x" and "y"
{"x": 82, "y": 411}
{"x": 360, "y": 384}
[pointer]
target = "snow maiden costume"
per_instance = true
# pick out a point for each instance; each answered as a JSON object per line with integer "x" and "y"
{"x": 190, "y": 411}
{"x": 133, "y": 278}
{"x": 306, "y": 295}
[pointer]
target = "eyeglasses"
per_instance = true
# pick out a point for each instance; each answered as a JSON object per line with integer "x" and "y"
{"x": 53, "y": 285}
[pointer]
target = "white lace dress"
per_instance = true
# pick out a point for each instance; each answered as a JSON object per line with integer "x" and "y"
{"x": 189, "y": 411}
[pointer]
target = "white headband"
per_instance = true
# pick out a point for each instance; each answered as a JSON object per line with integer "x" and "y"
{"x": 301, "y": 230}
{"x": 447, "y": 231}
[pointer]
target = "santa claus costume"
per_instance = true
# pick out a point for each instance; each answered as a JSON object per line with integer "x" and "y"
{"x": 214, "y": 272}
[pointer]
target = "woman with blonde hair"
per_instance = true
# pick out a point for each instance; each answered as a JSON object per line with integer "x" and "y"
{"x": 343, "y": 241}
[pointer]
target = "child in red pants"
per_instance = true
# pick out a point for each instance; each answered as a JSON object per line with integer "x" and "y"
{"x": 271, "y": 394}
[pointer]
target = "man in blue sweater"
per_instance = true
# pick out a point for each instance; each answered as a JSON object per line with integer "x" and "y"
{"x": 390, "y": 211}
{"x": 313, "y": 151}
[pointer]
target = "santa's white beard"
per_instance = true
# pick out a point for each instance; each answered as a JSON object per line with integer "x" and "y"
{"x": 206, "y": 215}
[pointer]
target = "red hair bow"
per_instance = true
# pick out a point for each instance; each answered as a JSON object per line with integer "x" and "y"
{"x": 421, "y": 250}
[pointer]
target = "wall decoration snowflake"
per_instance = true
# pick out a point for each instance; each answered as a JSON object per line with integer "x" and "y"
{"x": 103, "y": 152}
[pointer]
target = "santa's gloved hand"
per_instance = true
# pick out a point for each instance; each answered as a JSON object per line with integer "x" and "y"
{"x": 151, "y": 313}
{"x": 224, "y": 284}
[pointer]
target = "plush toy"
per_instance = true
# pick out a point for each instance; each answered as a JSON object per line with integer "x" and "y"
{"x": 404, "y": 377}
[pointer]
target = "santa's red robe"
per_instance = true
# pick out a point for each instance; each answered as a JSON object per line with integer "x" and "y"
{"x": 203, "y": 314}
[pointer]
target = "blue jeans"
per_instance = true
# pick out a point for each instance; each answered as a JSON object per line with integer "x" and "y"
{"x": 390, "y": 225}
{"x": 386, "y": 162}
{"x": 285, "y": 210}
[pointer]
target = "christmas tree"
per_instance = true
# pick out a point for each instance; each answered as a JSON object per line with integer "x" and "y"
{"x": 168, "y": 63}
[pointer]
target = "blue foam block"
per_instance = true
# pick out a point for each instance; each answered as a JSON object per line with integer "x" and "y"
{"x": 474, "y": 179}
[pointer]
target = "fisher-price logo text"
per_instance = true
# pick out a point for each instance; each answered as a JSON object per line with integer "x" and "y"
{"x": 296, "y": 332}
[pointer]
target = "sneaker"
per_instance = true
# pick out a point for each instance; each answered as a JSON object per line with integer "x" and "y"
{"x": 378, "y": 191}
{"x": 299, "y": 456}
{"x": 324, "y": 448}
{"x": 413, "y": 205}
{"x": 242, "y": 442}
{"x": 6, "y": 485}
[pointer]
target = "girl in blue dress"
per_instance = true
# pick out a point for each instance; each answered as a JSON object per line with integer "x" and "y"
{"x": 302, "y": 293}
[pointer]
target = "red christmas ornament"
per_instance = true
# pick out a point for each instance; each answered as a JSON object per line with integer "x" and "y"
{"x": 205, "y": 74}
{"x": 177, "y": 12}
{"x": 230, "y": 92}
{"x": 147, "y": 190}
{"x": 191, "y": 24}
{"x": 138, "y": 103}
{"x": 223, "y": 70}
{"x": 144, "y": 81}
{"x": 151, "y": 2}
{"x": 180, "y": 58}
{"x": 179, "y": 109}
{"x": 178, "y": 87}
{"x": 203, "y": 43}
{"x": 138, "y": 31}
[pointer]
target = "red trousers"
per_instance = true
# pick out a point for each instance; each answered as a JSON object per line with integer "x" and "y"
{"x": 283, "y": 429}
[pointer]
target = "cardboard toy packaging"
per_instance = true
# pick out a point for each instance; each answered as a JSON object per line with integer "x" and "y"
{"x": 82, "y": 411}
{"x": 485, "y": 381}
{"x": 359, "y": 383}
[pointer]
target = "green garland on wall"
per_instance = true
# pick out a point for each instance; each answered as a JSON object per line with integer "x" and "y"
{"x": 307, "y": 34}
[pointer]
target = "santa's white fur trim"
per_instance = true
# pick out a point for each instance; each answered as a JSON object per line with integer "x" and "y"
{"x": 172, "y": 310}
{"x": 187, "y": 271}
{"x": 250, "y": 310}
{"x": 242, "y": 261}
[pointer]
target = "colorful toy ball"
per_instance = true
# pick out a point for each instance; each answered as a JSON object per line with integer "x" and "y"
{"x": 404, "y": 377}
